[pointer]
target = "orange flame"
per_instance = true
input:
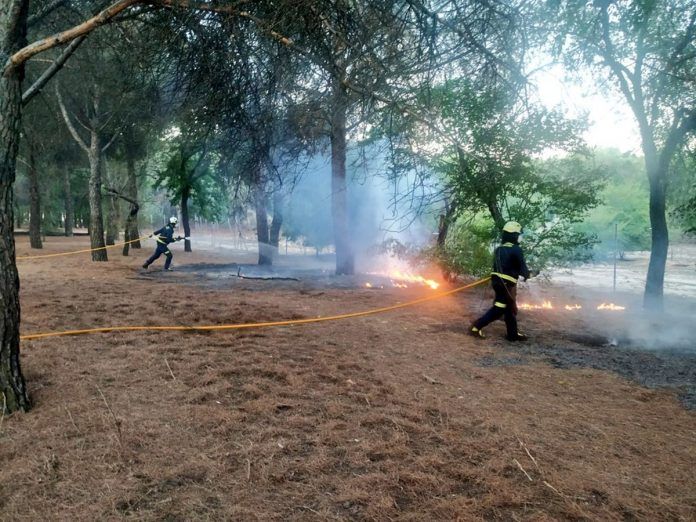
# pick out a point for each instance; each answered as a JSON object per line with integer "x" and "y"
{"x": 573, "y": 307}
{"x": 546, "y": 305}
{"x": 411, "y": 278}
{"x": 610, "y": 306}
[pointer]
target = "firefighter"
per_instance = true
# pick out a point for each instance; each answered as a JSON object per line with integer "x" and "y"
{"x": 164, "y": 237}
{"x": 508, "y": 266}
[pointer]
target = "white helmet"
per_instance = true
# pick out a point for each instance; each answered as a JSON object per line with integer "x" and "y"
{"x": 173, "y": 220}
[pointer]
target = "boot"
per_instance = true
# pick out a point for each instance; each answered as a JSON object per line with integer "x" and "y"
{"x": 476, "y": 332}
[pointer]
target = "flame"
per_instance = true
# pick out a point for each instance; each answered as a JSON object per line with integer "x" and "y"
{"x": 412, "y": 278}
{"x": 610, "y": 306}
{"x": 546, "y": 305}
{"x": 573, "y": 307}
{"x": 368, "y": 285}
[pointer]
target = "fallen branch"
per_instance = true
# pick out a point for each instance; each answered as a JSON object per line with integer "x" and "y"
{"x": 523, "y": 470}
{"x": 524, "y": 447}
{"x": 553, "y": 489}
{"x": 116, "y": 421}
{"x": 169, "y": 368}
{"x": 71, "y": 419}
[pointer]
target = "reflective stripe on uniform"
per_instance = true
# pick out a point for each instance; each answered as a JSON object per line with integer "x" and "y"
{"x": 508, "y": 244}
{"x": 505, "y": 276}
{"x": 499, "y": 304}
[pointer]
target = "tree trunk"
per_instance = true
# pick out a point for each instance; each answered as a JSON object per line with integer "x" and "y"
{"x": 132, "y": 218}
{"x": 277, "y": 223}
{"x": 69, "y": 208}
{"x": 13, "y": 389}
{"x": 496, "y": 214}
{"x": 265, "y": 256}
{"x": 345, "y": 262}
{"x": 132, "y": 231}
{"x": 112, "y": 209}
{"x": 96, "y": 220}
{"x": 185, "y": 196}
{"x": 654, "y": 283}
{"x": 34, "y": 202}
{"x": 112, "y": 221}
{"x": 18, "y": 215}
{"x": 444, "y": 224}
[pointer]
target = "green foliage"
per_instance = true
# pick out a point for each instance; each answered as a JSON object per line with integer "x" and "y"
{"x": 624, "y": 198}
{"x": 683, "y": 194}
{"x": 188, "y": 171}
{"x": 491, "y": 167}
{"x": 468, "y": 248}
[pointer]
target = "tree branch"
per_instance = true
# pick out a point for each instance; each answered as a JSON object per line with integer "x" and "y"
{"x": 230, "y": 10}
{"x": 683, "y": 124}
{"x": 68, "y": 123}
{"x": 84, "y": 28}
{"x": 113, "y": 192}
{"x": 111, "y": 142}
{"x": 49, "y": 73}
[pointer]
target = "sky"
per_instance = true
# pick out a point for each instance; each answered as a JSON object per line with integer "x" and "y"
{"x": 611, "y": 122}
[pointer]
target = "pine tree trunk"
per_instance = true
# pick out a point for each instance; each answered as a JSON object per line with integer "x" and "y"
{"x": 18, "y": 215}
{"x": 112, "y": 208}
{"x": 112, "y": 221}
{"x": 68, "y": 202}
{"x": 132, "y": 231}
{"x": 185, "y": 195}
{"x": 13, "y": 389}
{"x": 265, "y": 257}
{"x": 277, "y": 223}
{"x": 34, "y": 202}
{"x": 345, "y": 263}
{"x": 96, "y": 220}
{"x": 653, "y": 298}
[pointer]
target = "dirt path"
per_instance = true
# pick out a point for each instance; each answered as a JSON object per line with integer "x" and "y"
{"x": 396, "y": 416}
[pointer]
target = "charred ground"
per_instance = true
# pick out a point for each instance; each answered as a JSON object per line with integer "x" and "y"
{"x": 391, "y": 416}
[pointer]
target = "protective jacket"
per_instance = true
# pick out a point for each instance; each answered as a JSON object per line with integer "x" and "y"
{"x": 509, "y": 264}
{"x": 165, "y": 235}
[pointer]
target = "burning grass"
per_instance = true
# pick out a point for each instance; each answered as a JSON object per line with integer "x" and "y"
{"x": 388, "y": 417}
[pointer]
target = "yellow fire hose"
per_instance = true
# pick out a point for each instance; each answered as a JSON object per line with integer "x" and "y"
{"x": 292, "y": 322}
{"x": 82, "y": 251}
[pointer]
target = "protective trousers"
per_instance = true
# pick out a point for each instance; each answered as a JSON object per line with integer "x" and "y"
{"x": 161, "y": 249}
{"x": 505, "y": 304}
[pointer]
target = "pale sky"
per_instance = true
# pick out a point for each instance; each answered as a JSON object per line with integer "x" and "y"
{"x": 611, "y": 122}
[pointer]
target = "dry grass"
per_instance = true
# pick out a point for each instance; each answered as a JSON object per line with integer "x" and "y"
{"x": 379, "y": 418}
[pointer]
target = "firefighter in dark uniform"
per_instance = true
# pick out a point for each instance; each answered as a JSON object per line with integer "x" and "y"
{"x": 508, "y": 266}
{"x": 164, "y": 237}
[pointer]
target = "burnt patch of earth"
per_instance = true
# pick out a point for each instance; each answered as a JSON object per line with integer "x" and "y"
{"x": 675, "y": 369}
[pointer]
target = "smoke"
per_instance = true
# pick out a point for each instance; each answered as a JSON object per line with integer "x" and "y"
{"x": 633, "y": 328}
{"x": 381, "y": 206}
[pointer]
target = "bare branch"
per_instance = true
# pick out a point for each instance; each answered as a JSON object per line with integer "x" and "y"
{"x": 111, "y": 141}
{"x": 68, "y": 122}
{"x": 113, "y": 192}
{"x": 49, "y": 73}
{"x": 84, "y": 28}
